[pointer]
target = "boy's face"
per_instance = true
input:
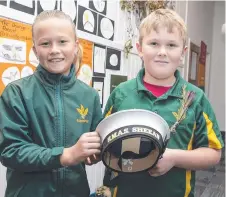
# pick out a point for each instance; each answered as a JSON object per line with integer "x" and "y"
{"x": 162, "y": 52}
{"x": 55, "y": 45}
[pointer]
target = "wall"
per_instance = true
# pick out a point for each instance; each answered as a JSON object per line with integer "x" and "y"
{"x": 207, "y": 27}
{"x": 200, "y": 22}
{"x": 217, "y": 69}
{"x": 204, "y": 22}
{"x": 199, "y": 25}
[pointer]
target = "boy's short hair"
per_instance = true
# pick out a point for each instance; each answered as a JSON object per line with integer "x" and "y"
{"x": 165, "y": 17}
{"x": 53, "y": 14}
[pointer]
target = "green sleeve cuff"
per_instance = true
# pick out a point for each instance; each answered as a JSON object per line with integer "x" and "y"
{"x": 56, "y": 153}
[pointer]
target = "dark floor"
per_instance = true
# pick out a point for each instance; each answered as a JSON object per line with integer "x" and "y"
{"x": 211, "y": 183}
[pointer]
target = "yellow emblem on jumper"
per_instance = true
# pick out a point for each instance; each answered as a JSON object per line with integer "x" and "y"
{"x": 109, "y": 112}
{"x": 83, "y": 112}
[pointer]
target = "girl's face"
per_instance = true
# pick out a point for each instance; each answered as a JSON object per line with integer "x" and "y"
{"x": 55, "y": 45}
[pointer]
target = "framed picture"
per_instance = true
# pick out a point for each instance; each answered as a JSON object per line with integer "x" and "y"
{"x": 113, "y": 59}
{"x": 98, "y": 6}
{"x": 105, "y": 27}
{"x": 193, "y": 63}
{"x": 116, "y": 80}
{"x": 99, "y": 59}
{"x": 27, "y": 6}
{"x": 43, "y": 5}
{"x": 87, "y": 20}
{"x": 3, "y": 3}
{"x": 69, "y": 7}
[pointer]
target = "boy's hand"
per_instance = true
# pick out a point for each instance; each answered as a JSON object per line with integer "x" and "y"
{"x": 87, "y": 145}
{"x": 164, "y": 164}
{"x": 93, "y": 159}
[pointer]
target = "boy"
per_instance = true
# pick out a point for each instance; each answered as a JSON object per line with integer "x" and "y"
{"x": 195, "y": 141}
{"x": 45, "y": 118}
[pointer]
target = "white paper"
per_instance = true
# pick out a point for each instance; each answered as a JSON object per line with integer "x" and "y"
{"x": 33, "y": 59}
{"x": 98, "y": 86}
{"x": 106, "y": 28}
{"x": 69, "y": 8}
{"x": 114, "y": 60}
{"x": 99, "y": 5}
{"x": 10, "y": 74}
{"x": 26, "y": 71}
{"x": 88, "y": 21}
{"x": 85, "y": 74}
{"x": 12, "y": 51}
{"x": 99, "y": 59}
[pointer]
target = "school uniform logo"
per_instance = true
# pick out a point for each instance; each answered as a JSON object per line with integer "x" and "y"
{"x": 83, "y": 113}
{"x": 109, "y": 112}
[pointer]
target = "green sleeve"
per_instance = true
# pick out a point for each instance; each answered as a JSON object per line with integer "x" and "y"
{"x": 112, "y": 102}
{"x": 97, "y": 113}
{"x": 207, "y": 132}
{"x": 17, "y": 149}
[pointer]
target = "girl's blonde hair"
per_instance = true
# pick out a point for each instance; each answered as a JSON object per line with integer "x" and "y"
{"x": 78, "y": 58}
{"x": 53, "y": 14}
{"x": 162, "y": 17}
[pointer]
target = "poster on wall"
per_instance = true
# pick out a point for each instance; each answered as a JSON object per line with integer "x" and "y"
{"x": 87, "y": 20}
{"x": 116, "y": 80}
{"x": 3, "y": 3}
{"x": 27, "y": 6}
{"x": 85, "y": 72}
{"x": 98, "y": 6}
{"x": 98, "y": 85}
{"x": 69, "y": 7}
{"x": 99, "y": 58}
{"x": 17, "y": 58}
{"x": 105, "y": 27}
{"x": 113, "y": 59}
{"x": 43, "y": 5}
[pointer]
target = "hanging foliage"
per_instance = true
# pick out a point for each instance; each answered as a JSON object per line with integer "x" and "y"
{"x": 140, "y": 9}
